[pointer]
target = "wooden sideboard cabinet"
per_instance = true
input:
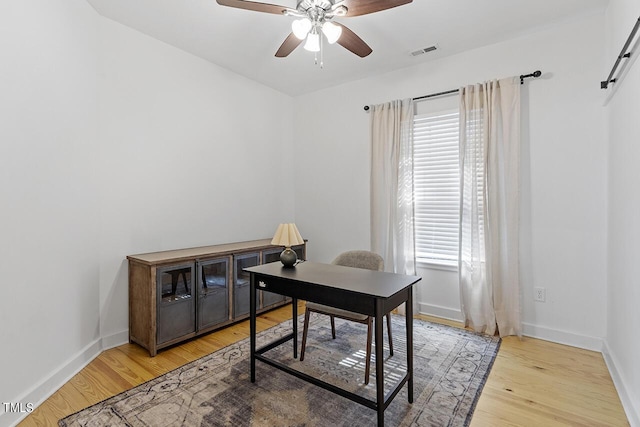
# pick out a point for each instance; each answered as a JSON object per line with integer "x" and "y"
{"x": 179, "y": 294}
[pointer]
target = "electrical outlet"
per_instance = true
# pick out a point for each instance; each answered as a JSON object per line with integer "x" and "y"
{"x": 539, "y": 294}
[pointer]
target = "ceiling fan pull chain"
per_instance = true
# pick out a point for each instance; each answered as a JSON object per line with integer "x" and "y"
{"x": 321, "y": 51}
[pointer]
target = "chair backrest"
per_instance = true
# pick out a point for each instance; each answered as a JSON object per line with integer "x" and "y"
{"x": 360, "y": 259}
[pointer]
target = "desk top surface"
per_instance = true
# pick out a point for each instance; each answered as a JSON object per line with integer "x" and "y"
{"x": 370, "y": 282}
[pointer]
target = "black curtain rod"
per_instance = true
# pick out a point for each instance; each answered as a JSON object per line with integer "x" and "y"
{"x": 535, "y": 74}
{"x": 623, "y": 54}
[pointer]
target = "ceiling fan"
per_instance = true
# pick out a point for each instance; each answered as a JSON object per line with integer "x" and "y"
{"x": 315, "y": 18}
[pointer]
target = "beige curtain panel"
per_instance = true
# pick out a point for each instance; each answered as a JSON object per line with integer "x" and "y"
{"x": 489, "y": 219}
{"x": 392, "y": 185}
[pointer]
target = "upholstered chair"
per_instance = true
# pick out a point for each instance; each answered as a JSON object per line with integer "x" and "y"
{"x": 357, "y": 259}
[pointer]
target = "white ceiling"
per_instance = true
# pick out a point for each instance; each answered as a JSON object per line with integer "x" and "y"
{"x": 245, "y": 41}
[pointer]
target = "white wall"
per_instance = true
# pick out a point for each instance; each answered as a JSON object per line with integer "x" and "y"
{"x": 190, "y": 155}
{"x": 48, "y": 233}
{"x": 622, "y": 344}
{"x": 113, "y": 143}
{"x": 563, "y": 173}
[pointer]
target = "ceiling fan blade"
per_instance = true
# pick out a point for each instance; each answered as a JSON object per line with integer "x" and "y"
{"x": 350, "y": 41}
{"x": 255, "y": 6}
{"x": 364, "y": 7}
{"x": 288, "y": 46}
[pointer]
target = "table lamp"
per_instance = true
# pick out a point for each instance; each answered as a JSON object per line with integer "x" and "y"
{"x": 287, "y": 235}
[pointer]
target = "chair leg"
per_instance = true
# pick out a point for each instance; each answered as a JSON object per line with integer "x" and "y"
{"x": 204, "y": 279}
{"x": 389, "y": 333}
{"x": 174, "y": 282}
{"x": 184, "y": 280}
{"x": 305, "y": 328}
{"x": 333, "y": 327}
{"x": 367, "y": 368}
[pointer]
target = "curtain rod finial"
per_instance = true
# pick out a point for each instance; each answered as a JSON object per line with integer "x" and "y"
{"x": 535, "y": 74}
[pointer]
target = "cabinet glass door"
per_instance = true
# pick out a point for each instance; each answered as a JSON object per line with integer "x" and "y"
{"x": 241, "y": 282}
{"x": 269, "y": 298}
{"x": 175, "y": 302}
{"x": 299, "y": 250}
{"x": 213, "y": 292}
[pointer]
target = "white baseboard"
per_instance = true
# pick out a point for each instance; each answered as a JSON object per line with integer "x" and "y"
{"x": 114, "y": 340}
{"x": 41, "y": 391}
{"x": 562, "y": 337}
{"x": 625, "y": 393}
{"x": 439, "y": 311}
{"x": 528, "y": 329}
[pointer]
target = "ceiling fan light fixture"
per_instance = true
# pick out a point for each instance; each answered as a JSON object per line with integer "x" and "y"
{"x": 313, "y": 42}
{"x": 331, "y": 31}
{"x": 301, "y": 27}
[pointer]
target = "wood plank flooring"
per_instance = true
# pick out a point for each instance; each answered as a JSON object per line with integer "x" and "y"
{"x": 532, "y": 382}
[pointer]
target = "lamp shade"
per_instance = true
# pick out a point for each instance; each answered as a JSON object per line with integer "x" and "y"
{"x": 331, "y": 31}
{"x": 313, "y": 42}
{"x": 301, "y": 27}
{"x": 287, "y": 235}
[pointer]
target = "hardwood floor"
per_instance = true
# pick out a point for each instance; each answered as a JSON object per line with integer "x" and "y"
{"x": 532, "y": 382}
{"x": 540, "y": 383}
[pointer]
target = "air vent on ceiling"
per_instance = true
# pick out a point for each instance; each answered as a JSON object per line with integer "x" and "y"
{"x": 423, "y": 51}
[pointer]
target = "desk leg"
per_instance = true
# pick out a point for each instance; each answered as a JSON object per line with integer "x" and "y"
{"x": 379, "y": 342}
{"x": 409, "y": 320}
{"x": 252, "y": 326}
{"x": 294, "y": 313}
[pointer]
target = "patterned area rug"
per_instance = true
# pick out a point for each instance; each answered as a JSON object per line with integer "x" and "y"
{"x": 450, "y": 369}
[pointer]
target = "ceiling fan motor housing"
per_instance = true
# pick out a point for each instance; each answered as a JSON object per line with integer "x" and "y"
{"x": 320, "y": 10}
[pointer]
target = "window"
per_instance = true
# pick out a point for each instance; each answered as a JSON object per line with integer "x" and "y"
{"x": 436, "y": 187}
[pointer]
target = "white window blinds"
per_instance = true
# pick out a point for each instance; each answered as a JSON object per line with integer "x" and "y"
{"x": 436, "y": 187}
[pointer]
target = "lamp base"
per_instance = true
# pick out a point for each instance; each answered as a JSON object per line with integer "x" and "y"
{"x": 288, "y": 258}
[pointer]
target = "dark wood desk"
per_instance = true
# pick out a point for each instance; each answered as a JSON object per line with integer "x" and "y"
{"x": 369, "y": 292}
